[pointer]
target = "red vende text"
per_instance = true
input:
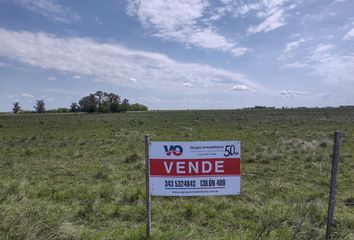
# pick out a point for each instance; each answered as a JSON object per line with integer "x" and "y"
{"x": 190, "y": 167}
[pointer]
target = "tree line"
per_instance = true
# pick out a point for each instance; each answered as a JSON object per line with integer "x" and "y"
{"x": 98, "y": 102}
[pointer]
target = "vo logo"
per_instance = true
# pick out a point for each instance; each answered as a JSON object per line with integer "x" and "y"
{"x": 176, "y": 150}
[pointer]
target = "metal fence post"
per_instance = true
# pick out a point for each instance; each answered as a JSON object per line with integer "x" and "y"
{"x": 332, "y": 191}
{"x": 147, "y": 167}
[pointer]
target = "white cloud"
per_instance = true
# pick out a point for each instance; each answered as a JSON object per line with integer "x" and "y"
{"x": 327, "y": 95}
{"x": 292, "y": 93}
{"x": 150, "y": 99}
{"x": 335, "y": 69}
{"x": 186, "y": 84}
{"x": 62, "y": 91}
{"x": 49, "y": 8}
{"x": 76, "y": 77}
{"x": 98, "y": 20}
{"x": 114, "y": 63}
{"x": 273, "y": 21}
{"x": 10, "y": 96}
{"x": 323, "y": 47}
{"x": 246, "y": 8}
{"x": 321, "y": 53}
{"x": 132, "y": 79}
{"x": 195, "y": 101}
{"x": 294, "y": 45}
{"x": 241, "y": 87}
{"x": 51, "y": 78}
{"x": 294, "y": 65}
{"x": 331, "y": 67}
{"x": 239, "y": 51}
{"x": 167, "y": 15}
{"x": 349, "y": 35}
{"x": 207, "y": 38}
{"x": 27, "y": 95}
{"x": 180, "y": 21}
{"x": 272, "y": 12}
{"x": 292, "y": 6}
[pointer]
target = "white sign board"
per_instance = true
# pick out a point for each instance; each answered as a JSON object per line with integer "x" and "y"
{"x": 194, "y": 168}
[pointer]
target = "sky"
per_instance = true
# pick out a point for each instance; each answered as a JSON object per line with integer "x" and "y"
{"x": 178, "y": 54}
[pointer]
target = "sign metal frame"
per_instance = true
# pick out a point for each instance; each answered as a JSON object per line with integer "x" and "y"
{"x": 201, "y": 168}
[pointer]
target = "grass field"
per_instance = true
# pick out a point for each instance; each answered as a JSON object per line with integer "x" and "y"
{"x": 77, "y": 176}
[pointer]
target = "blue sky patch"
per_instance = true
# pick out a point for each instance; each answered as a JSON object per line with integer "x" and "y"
{"x": 178, "y": 54}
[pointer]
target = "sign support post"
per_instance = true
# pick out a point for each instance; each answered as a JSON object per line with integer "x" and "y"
{"x": 332, "y": 190}
{"x": 147, "y": 167}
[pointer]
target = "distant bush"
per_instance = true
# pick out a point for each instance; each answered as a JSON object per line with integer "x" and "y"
{"x": 27, "y": 112}
{"x": 59, "y": 110}
{"x": 138, "y": 107}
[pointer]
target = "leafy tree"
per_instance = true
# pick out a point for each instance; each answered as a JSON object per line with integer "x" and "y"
{"x": 88, "y": 104}
{"x": 112, "y": 98}
{"x": 16, "y": 109}
{"x": 40, "y": 106}
{"x": 125, "y": 105}
{"x": 104, "y": 102}
{"x": 101, "y": 102}
{"x": 114, "y": 102}
{"x": 74, "y": 107}
{"x": 99, "y": 99}
{"x": 104, "y": 107}
{"x": 115, "y": 107}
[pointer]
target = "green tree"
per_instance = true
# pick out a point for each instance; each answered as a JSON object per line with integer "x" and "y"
{"x": 16, "y": 108}
{"x": 104, "y": 102}
{"x": 74, "y": 107}
{"x": 88, "y": 104}
{"x": 113, "y": 101}
{"x": 125, "y": 105}
{"x": 40, "y": 106}
{"x": 99, "y": 95}
{"x": 104, "y": 107}
{"x": 115, "y": 107}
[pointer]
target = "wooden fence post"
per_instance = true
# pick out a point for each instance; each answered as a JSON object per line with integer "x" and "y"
{"x": 332, "y": 191}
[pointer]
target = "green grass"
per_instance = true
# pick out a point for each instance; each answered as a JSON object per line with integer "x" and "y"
{"x": 77, "y": 176}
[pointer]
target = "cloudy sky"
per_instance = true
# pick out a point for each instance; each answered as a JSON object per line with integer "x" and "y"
{"x": 178, "y": 54}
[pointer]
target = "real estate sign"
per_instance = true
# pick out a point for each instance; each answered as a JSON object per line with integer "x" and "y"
{"x": 194, "y": 168}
